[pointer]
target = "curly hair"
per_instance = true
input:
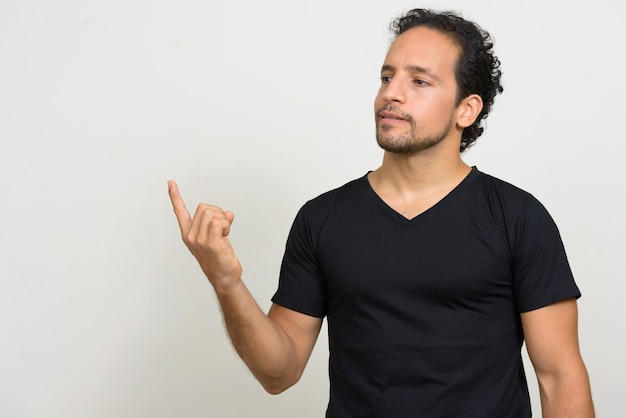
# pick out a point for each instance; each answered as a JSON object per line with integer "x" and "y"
{"x": 477, "y": 70}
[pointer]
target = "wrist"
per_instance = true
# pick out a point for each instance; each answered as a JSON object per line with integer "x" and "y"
{"x": 228, "y": 286}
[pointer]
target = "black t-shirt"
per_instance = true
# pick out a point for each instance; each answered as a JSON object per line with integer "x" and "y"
{"x": 424, "y": 314}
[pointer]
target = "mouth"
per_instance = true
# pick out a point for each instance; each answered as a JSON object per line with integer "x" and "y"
{"x": 391, "y": 117}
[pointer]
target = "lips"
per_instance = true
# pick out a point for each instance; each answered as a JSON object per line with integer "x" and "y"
{"x": 390, "y": 115}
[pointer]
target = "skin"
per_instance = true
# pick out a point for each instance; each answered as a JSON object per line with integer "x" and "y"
{"x": 276, "y": 346}
{"x": 419, "y": 125}
{"x": 415, "y": 110}
{"x": 551, "y": 335}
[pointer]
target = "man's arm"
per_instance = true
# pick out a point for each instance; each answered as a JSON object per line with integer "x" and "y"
{"x": 275, "y": 347}
{"x": 551, "y": 335}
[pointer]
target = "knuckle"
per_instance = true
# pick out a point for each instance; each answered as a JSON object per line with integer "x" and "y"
{"x": 188, "y": 239}
{"x": 202, "y": 207}
{"x": 215, "y": 222}
{"x": 206, "y": 206}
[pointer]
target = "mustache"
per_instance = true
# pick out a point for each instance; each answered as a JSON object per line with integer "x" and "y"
{"x": 394, "y": 109}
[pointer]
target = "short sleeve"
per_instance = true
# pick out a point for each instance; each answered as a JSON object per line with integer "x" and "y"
{"x": 301, "y": 286}
{"x": 541, "y": 271}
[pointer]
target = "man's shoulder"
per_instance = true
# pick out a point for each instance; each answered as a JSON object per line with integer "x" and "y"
{"x": 507, "y": 191}
{"x": 344, "y": 192}
{"x": 337, "y": 203}
{"x": 509, "y": 198}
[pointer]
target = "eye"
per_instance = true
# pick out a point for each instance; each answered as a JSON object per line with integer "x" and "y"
{"x": 385, "y": 79}
{"x": 421, "y": 82}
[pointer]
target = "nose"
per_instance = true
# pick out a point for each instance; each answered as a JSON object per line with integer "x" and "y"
{"x": 393, "y": 91}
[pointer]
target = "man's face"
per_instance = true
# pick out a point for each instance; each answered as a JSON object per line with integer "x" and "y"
{"x": 415, "y": 105}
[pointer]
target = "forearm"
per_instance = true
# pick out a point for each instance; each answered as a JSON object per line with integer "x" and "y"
{"x": 566, "y": 394}
{"x": 266, "y": 348}
{"x": 263, "y": 346}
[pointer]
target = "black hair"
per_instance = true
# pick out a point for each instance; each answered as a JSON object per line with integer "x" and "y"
{"x": 477, "y": 70}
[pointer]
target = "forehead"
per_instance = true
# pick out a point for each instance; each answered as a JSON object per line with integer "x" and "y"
{"x": 425, "y": 47}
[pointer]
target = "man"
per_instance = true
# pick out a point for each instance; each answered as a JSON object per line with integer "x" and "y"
{"x": 431, "y": 273}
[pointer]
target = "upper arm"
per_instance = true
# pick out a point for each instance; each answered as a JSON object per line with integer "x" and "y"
{"x": 551, "y": 335}
{"x": 301, "y": 329}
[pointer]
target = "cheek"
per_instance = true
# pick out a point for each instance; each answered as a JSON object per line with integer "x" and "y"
{"x": 378, "y": 101}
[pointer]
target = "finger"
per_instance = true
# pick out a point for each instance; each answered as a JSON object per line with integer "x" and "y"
{"x": 230, "y": 217}
{"x": 182, "y": 214}
{"x": 219, "y": 228}
{"x": 223, "y": 220}
{"x": 209, "y": 222}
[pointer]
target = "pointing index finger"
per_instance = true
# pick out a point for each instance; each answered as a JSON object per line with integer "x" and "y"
{"x": 182, "y": 214}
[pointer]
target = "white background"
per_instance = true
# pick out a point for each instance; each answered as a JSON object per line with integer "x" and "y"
{"x": 257, "y": 107}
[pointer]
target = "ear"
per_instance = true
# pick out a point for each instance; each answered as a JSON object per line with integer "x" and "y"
{"x": 468, "y": 110}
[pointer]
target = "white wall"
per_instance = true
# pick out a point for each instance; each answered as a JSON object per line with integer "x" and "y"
{"x": 256, "y": 106}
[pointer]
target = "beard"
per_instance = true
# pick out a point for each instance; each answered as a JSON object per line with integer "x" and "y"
{"x": 410, "y": 142}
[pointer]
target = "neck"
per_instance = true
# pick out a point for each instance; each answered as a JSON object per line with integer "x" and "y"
{"x": 411, "y": 184}
{"x": 421, "y": 171}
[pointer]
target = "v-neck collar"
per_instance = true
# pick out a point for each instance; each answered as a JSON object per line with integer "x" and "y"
{"x": 437, "y": 207}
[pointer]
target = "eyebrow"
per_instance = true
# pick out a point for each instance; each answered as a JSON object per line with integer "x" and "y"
{"x": 412, "y": 69}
